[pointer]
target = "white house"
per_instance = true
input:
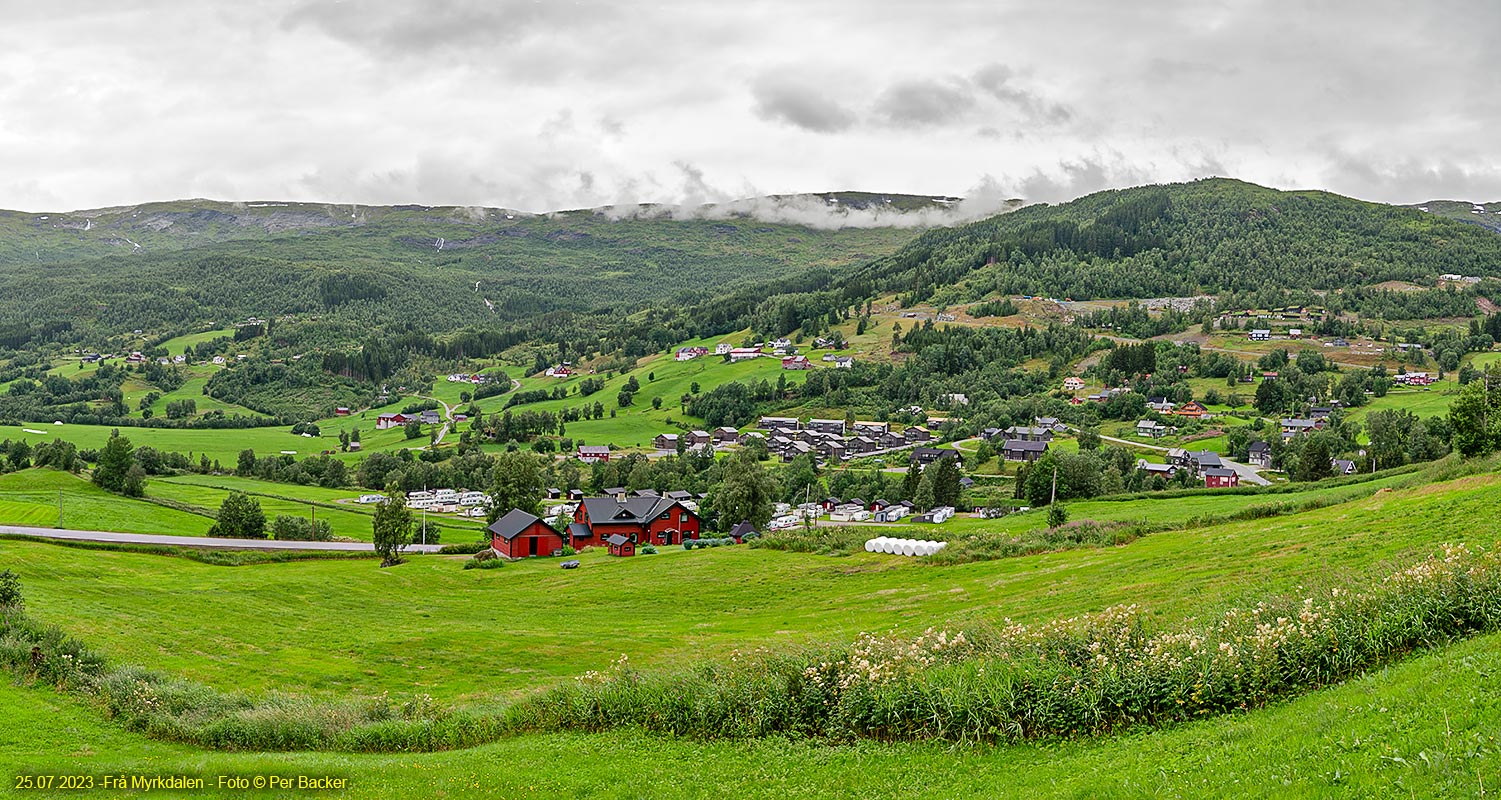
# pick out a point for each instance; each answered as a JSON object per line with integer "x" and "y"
{"x": 367, "y": 499}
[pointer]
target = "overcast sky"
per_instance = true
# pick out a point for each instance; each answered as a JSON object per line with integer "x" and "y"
{"x": 557, "y": 104}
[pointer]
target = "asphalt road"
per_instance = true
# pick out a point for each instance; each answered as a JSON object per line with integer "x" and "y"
{"x": 197, "y": 541}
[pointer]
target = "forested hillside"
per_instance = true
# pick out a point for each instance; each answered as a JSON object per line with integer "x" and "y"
{"x": 359, "y": 268}
{"x": 1209, "y": 236}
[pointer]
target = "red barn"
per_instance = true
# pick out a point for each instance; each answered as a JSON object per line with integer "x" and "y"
{"x": 642, "y": 520}
{"x": 519, "y": 534}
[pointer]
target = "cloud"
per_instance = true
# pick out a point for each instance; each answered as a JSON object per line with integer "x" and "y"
{"x": 996, "y": 80}
{"x": 786, "y": 99}
{"x": 510, "y": 103}
{"x": 921, "y": 103}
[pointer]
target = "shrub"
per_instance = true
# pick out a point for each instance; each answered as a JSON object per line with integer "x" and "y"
{"x": 649, "y": 550}
{"x": 464, "y": 548}
{"x": 489, "y": 563}
{"x": 569, "y": 551}
{"x": 10, "y": 590}
{"x": 300, "y": 529}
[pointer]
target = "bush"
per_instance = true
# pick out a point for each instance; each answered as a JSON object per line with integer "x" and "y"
{"x": 10, "y": 590}
{"x": 464, "y": 549}
{"x": 300, "y": 529}
{"x": 649, "y": 550}
{"x": 569, "y": 551}
{"x": 491, "y": 563}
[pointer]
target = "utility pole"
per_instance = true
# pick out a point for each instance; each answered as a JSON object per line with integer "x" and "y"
{"x": 1052, "y": 498}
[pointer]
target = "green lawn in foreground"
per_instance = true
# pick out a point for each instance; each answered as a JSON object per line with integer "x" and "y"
{"x": 429, "y": 626}
{"x": 1420, "y": 728}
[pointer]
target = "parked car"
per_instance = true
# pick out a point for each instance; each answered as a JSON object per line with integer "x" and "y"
{"x": 572, "y": 564}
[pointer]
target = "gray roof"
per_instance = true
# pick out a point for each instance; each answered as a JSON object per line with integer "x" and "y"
{"x": 514, "y": 522}
{"x": 617, "y": 539}
{"x": 632, "y": 510}
{"x": 579, "y": 530}
{"x": 743, "y": 528}
{"x": 1259, "y": 447}
{"x": 1219, "y": 472}
{"x": 1024, "y": 446}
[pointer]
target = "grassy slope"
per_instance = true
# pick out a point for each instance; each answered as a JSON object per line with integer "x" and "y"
{"x": 1426, "y": 727}
{"x": 430, "y": 627}
{"x": 38, "y": 496}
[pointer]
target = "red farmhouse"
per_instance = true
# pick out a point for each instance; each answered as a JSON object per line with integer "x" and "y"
{"x": 519, "y": 534}
{"x": 642, "y": 520}
{"x": 1221, "y": 478}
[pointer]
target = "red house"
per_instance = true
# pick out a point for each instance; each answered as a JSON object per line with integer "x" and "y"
{"x": 1221, "y": 478}
{"x": 642, "y": 520}
{"x": 519, "y": 534}
{"x": 385, "y": 421}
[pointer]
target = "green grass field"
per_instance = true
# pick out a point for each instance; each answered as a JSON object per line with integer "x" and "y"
{"x": 335, "y": 628}
{"x": 48, "y": 498}
{"x": 1425, "y": 728}
{"x": 429, "y": 626}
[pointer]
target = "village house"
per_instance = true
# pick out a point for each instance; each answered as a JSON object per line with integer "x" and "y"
{"x": 699, "y": 439}
{"x": 1151, "y": 429}
{"x": 778, "y": 423}
{"x": 1413, "y": 379}
{"x": 519, "y": 534}
{"x": 724, "y": 434}
{"x": 1073, "y": 383}
{"x": 385, "y": 421}
{"x": 890, "y": 440}
{"x": 641, "y": 520}
{"x": 1220, "y": 478}
{"x": 562, "y": 370}
{"x": 917, "y": 433}
{"x": 844, "y": 362}
{"x": 876, "y": 428}
{"x": 1260, "y": 335}
{"x": 341, "y": 411}
{"x": 796, "y": 362}
{"x": 690, "y": 353}
{"x": 1029, "y": 434}
{"x": 1260, "y": 455}
{"x": 1051, "y": 423}
{"x": 1343, "y": 466}
{"x": 430, "y": 417}
{"x": 827, "y": 425}
{"x": 1018, "y": 450}
{"x": 923, "y": 456}
{"x": 723, "y": 348}
{"x": 1160, "y": 404}
{"x": 1294, "y": 425}
{"x": 593, "y": 454}
{"x": 1165, "y": 470}
{"x": 861, "y": 444}
{"x": 665, "y": 441}
{"x": 1193, "y": 409}
{"x": 744, "y": 353}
